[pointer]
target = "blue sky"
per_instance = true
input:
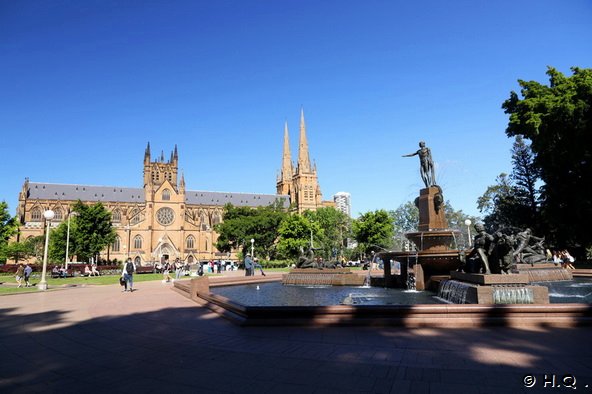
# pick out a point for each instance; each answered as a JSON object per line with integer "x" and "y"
{"x": 84, "y": 85}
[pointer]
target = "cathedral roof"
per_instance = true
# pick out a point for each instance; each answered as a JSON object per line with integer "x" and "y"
{"x": 53, "y": 191}
{"x": 236, "y": 199}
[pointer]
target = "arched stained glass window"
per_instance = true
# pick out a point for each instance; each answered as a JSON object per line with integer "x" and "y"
{"x": 138, "y": 242}
{"x": 190, "y": 242}
{"x": 36, "y": 215}
{"x": 116, "y": 244}
{"x": 116, "y": 216}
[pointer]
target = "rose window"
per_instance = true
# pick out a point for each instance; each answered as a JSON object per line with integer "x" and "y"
{"x": 165, "y": 216}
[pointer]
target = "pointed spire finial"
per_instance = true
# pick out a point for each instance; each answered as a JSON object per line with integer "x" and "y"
{"x": 286, "y": 171}
{"x": 303, "y": 156}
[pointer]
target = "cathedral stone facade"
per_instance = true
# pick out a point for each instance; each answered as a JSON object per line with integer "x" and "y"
{"x": 300, "y": 182}
{"x": 163, "y": 218}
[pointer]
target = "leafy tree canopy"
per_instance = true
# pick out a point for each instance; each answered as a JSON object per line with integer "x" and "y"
{"x": 514, "y": 200}
{"x": 373, "y": 231}
{"x": 91, "y": 230}
{"x": 335, "y": 226}
{"x": 241, "y": 224}
{"x": 8, "y": 223}
{"x": 557, "y": 119}
{"x": 295, "y": 235}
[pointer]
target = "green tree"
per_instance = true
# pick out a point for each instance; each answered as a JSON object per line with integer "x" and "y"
{"x": 91, "y": 231}
{"x": 57, "y": 241}
{"x": 557, "y": 119}
{"x": 405, "y": 219}
{"x": 456, "y": 220}
{"x": 241, "y": 224}
{"x": 16, "y": 251}
{"x": 373, "y": 231}
{"x": 335, "y": 229}
{"x": 513, "y": 201}
{"x": 8, "y": 227}
{"x": 295, "y": 235}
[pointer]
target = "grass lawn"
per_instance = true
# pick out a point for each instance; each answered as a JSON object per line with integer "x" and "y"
{"x": 53, "y": 283}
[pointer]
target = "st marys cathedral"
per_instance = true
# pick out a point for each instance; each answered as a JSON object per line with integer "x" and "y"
{"x": 164, "y": 218}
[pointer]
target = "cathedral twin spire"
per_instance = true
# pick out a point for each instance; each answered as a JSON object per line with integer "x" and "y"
{"x": 299, "y": 182}
{"x": 303, "y": 165}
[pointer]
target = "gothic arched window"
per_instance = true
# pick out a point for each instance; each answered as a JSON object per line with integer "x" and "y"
{"x": 135, "y": 217}
{"x": 166, "y": 195}
{"x": 138, "y": 242}
{"x": 36, "y": 215}
{"x": 116, "y": 216}
{"x": 190, "y": 242}
{"x": 116, "y": 244}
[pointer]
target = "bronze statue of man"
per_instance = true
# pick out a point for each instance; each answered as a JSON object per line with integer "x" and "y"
{"x": 426, "y": 164}
{"x": 483, "y": 246}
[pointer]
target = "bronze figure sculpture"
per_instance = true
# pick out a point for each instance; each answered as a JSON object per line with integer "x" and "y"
{"x": 426, "y": 164}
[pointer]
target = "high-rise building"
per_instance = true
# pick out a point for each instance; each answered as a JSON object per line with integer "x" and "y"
{"x": 343, "y": 202}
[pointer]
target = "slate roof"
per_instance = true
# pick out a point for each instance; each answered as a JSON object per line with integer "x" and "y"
{"x": 53, "y": 191}
{"x": 236, "y": 199}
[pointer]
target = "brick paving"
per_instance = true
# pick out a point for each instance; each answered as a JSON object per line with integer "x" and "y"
{"x": 98, "y": 339}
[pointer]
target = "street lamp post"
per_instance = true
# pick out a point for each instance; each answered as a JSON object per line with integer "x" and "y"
{"x": 128, "y": 229}
{"x": 68, "y": 236}
{"x": 468, "y": 224}
{"x": 48, "y": 215}
{"x": 252, "y": 248}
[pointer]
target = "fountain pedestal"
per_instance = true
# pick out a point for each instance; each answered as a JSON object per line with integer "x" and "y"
{"x": 544, "y": 272}
{"x": 437, "y": 251}
{"x": 323, "y": 277}
{"x": 466, "y": 288}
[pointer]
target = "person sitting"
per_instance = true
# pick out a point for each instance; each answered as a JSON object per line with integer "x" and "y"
{"x": 94, "y": 271}
{"x": 568, "y": 260}
{"x": 55, "y": 272}
{"x": 257, "y": 265}
{"x": 87, "y": 271}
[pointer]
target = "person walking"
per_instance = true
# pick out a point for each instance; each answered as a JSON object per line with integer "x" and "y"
{"x": 128, "y": 274}
{"x": 178, "y": 268}
{"x": 248, "y": 265}
{"x": 166, "y": 267}
{"x": 20, "y": 273}
{"x": 27, "y": 271}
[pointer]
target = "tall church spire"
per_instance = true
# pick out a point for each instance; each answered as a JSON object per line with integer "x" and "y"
{"x": 286, "y": 173}
{"x": 284, "y": 179}
{"x": 147, "y": 154}
{"x": 303, "y": 157}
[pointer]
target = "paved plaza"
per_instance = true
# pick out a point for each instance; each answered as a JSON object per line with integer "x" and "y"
{"x": 98, "y": 339}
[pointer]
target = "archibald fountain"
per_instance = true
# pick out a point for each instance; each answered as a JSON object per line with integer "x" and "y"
{"x": 437, "y": 248}
{"x": 499, "y": 269}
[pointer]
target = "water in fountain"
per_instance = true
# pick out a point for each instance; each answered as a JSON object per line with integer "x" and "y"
{"x": 512, "y": 295}
{"x": 453, "y": 291}
{"x": 411, "y": 281}
{"x": 576, "y": 291}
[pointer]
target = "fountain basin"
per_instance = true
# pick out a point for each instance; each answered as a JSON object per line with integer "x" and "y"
{"x": 434, "y": 315}
{"x": 434, "y": 241}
